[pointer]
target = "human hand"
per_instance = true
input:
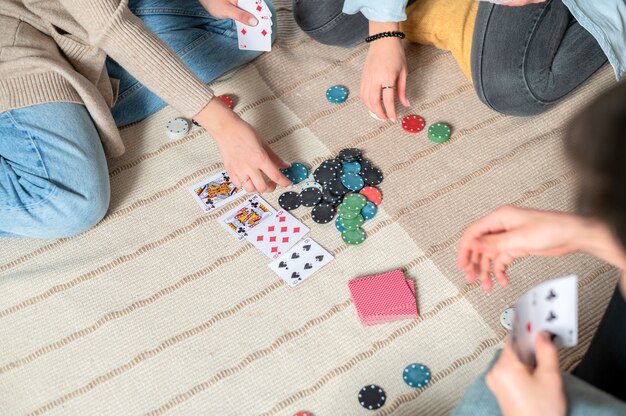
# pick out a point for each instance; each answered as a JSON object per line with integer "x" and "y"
{"x": 521, "y": 2}
{"x": 227, "y": 9}
{"x": 521, "y": 391}
{"x": 508, "y": 233}
{"x": 385, "y": 65}
{"x": 249, "y": 161}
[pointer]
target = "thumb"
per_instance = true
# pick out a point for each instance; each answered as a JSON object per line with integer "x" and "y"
{"x": 242, "y": 16}
{"x": 513, "y": 240}
{"x": 547, "y": 354}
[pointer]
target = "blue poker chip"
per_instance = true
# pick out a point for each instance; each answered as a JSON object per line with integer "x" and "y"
{"x": 296, "y": 173}
{"x": 351, "y": 167}
{"x": 369, "y": 210}
{"x": 416, "y": 375}
{"x": 352, "y": 181}
{"x": 338, "y": 225}
{"x": 337, "y": 94}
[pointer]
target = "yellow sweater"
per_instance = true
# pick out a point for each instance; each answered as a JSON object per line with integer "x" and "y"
{"x": 446, "y": 24}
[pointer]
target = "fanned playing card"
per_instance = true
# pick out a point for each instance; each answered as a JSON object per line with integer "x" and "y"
{"x": 550, "y": 306}
{"x": 214, "y": 192}
{"x": 278, "y": 234}
{"x": 259, "y": 37}
{"x": 299, "y": 263}
{"x": 247, "y": 215}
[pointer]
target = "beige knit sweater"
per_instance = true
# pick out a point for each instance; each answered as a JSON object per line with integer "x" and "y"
{"x": 55, "y": 50}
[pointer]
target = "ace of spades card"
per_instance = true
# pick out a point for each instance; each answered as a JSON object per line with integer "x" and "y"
{"x": 247, "y": 215}
{"x": 299, "y": 263}
{"x": 278, "y": 234}
{"x": 214, "y": 192}
{"x": 551, "y": 306}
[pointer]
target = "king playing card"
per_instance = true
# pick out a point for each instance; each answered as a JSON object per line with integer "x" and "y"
{"x": 247, "y": 215}
{"x": 214, "y": 192}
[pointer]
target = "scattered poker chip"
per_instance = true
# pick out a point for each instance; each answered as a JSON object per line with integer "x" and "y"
{"x": 416, "y": 375}
{"x": 372, "y": 194}
{"x": 344, "y": 212}
{"x": 310, "y": 197}
{"x": 352, "y": 181}
{"x": 369, "y": 211}
{"x": 303, "y": 414}
{"x": 312, "y": 185}
{"x": 352, "y": 223}
{"x": 372, "y": 397}
{"x": 372, "y": 176}
{"x": 507, "y": 317}
{"x": 323, "y": 213}
{"x": 413, "y": 124}
{"x": 439, "y": 132}
{"x": 337, "y": 94}
{"x": 228, "y": 101}
{"x": 353, "y": 237}
{"x": 289, "y": 200}
{"x": 177, "y": 128}
{"x": 336, "y": 187}
{"x": 355, "y": 202}
{"x": 330, "y": 198}
{"x": 296, "y": 173}
{"x": 325, "y": 173}
{"x": 354, "y": 167}
{"x": 338, "y": 225}
{"x": 350, "y": 154}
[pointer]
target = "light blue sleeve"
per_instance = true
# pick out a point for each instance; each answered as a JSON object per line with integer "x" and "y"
{"x": 377, "y": 10}
{"x": 606, "y": 21}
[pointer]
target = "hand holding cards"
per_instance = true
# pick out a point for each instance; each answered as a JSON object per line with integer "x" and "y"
{"x": 551, "y": 306}
{"x": 259, "y": 37}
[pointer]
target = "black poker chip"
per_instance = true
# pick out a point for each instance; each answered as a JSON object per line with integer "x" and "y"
{"x": 350, "y": 155}
{"x": 195, "y": 123}
{"x": 372, "y": 397}
{"x": 366, "y": 163}
{"x": 289, "y": 200}
{"x": 334, "y": 163}
{"x": 323, "y": 213}
{"x": 325, "y": 173}
{"x": 372, "y": 176}
{"x": 310, "y": 197}
{"x": 330, "y": 198}
{"x": 336, "y": 187}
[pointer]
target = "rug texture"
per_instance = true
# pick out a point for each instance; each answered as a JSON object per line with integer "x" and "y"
{"x": 157, "y": 310}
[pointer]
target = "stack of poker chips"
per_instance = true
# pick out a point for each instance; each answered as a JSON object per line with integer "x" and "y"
{"x": 345, "y": 185}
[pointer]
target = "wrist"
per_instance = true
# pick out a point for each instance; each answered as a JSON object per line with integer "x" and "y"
{"x": 378, "y": 27}
{"x": 216, "y": 118}
{"x": 595, "y": 238}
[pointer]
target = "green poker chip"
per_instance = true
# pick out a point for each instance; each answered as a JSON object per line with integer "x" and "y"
{"x": 352, "y": 223}
{"x": 439, "y": 132}
{"x": 344, "y": 212}
{"x": 355, "y": 202}
{"x": 353, "y": 237}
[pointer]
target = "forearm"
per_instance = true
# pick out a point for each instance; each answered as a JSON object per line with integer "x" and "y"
{"x": 595, "y": 238}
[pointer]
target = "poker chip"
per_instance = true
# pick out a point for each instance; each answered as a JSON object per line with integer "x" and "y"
{"x": 354, "y": 167}
{"x": 312, "y": 185}
{"x": 507, "y": 317}
{"x": 372, "y": 176}
{"x": 352, "y": 181}
{"x": 330, "y": 198}
{"x": 352, "y": 223}
{"x": 296, "y": 173}
{"x": 413, "y": 124}
{"x": 369, "y": 211}
{"x": 355, "y": 202}
{"x": 338, "y": 225}
{"x": 372, "y": 397}
{"x": 416, "y": 375}
{"x": 336, "y": 187}
{"x": 439, "y": 132}
{"x": 337, "y": 94}
{"x": 337, "y": 164}
{"x": 366, "y": 164}
{"x": 344, "y": 212}
{"x": 310, "y": 197}
{"x": 177, "y": 128}
{"x": 303, "y": 414}
{"x": 323, "y": 213}
{"x": 353, "y": 237}
{"x": 195, "y": 123}
{"x": 289, "y": 200}
{"x": 350, "y": 154}
{"x": 325, "y": 173}
{"x": 372, "y": 194}
{"x": 228, "y": 102}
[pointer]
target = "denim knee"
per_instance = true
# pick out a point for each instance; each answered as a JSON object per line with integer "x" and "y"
{"x": 503, "y": 94}
{"x": 325, "y": 22}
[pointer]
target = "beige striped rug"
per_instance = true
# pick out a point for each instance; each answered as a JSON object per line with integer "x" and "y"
{"x": 158, "y": 311}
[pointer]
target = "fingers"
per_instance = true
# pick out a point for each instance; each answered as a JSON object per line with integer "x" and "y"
{"x": 276, "y": 176}
{"x": 259, "y": 182}
{"x": 485, "y": 273}
{"x": 389, "y": 97}
{"x": 500, "y": 265}
{"x": 401, "y": 88}
{"x": 277, "y": 160}
{"x": 240, "y": 15}
{"x": 374, "y": 102}
{"x": 546, "y": 353}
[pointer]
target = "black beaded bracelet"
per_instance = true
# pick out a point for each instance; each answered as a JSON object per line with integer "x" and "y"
{"x": 372, "y": 38}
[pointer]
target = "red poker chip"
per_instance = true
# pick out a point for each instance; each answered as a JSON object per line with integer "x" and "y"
{"x": 228, "y": 102}
{"x": 303, "y": 414}
{"x": 372, "y": 194}
{"x": 413, "y": 124}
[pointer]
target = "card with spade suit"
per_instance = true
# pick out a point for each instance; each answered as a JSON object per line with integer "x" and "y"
{"x": 247, "y": 215}
{"x": 259, "y": 37}
{"x": 551, "y": 306}
{"x": 300, "y": 262}
{"x": 278, "y": 234}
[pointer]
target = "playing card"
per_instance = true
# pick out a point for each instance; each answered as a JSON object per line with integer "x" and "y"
{"x": 214, "y": 192}
{"x": 259, "y": 37}
{"x": 551, "y": 306}
{"x": 278, "y": 234}
{"x": 408, "y": 311}
{"x": 382, "y": 295}
{"x": 300, "y": 262}
{"x": 247, "y": 215}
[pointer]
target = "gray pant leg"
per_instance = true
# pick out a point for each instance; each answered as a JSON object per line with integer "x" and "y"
{"x": 324, "y": 21}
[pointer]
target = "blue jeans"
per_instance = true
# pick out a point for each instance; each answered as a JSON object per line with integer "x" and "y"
{"x": 54, "y": 178}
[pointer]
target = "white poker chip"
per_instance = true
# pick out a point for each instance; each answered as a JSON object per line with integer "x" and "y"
{"x": 507, "y": 317}
{"x": 312, "y": 185}
{"x": 177, "y": 128}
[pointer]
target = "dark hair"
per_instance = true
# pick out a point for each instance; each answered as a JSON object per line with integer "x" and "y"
{"x": 596, "y": 142}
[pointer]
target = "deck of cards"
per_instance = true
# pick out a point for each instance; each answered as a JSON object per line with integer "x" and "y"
{"x": 383, "y": 297}
{"x": 259, "y": 37}
{"x": 550, "y": 306}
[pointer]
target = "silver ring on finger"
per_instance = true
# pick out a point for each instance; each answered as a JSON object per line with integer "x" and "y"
{"x": 387, "y": 87}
